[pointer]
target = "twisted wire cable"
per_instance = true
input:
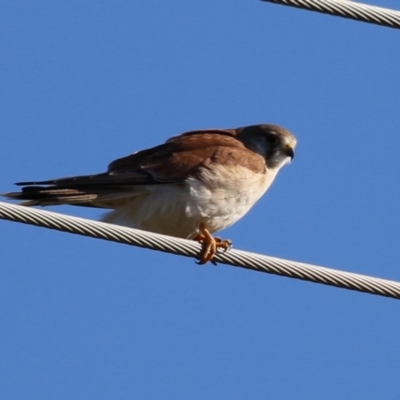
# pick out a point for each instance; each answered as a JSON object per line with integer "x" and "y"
{"x": 190, "y": 248}
{"x": 347, "y": 9}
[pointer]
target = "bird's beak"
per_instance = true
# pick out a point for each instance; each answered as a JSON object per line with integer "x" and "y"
{"x": 289, "y": 151}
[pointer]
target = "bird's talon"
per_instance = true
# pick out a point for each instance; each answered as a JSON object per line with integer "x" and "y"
{"x": 210, "y": 245}
{"x": 225, "y": 245}
{"x": 225, "y": 249}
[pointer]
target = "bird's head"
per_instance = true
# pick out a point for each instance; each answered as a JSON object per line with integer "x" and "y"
{"x": 274, "y": 143}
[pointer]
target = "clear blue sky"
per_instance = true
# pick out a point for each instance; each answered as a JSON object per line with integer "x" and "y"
{"x": 83, "y": 83}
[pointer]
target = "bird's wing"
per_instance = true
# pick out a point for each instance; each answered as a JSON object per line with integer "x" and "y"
{"x": 182, "y": 156}
{"x": 170, "y": 163}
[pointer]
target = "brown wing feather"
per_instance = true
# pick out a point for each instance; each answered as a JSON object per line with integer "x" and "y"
{"x": 169, "y": 163}
{"x": 181, "y": 156}
{"x": 185, "y": 142}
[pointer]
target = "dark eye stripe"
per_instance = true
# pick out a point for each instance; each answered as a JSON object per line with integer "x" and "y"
{"x": 272, "y": 138}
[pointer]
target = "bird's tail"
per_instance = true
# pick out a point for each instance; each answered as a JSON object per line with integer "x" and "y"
{"x": 87, "y": 191}
{"x": 47, "y": 196}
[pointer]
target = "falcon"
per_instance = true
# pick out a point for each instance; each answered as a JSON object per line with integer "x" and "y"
{"x": 191, "y": 186}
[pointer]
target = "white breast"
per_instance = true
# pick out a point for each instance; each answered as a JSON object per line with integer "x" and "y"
{"x": 218, "y": 200}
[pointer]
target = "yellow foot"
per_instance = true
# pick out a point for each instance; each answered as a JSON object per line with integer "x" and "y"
{"x": 210, "y": 244}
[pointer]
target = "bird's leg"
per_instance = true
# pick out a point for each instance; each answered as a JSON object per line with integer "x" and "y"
{"x": 210, "y": 244}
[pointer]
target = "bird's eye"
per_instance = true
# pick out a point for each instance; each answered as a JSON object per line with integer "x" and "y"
{"x": 272, "y": 139}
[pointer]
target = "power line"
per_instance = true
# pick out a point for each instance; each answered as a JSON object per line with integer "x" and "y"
{"x": 347, "y": 9}
{"x": 190, "y": 248}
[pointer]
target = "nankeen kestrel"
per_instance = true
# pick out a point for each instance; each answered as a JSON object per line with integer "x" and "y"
{"x": 191, "y": 186}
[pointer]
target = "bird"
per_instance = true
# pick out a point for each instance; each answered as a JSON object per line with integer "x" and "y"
{"x": 191, "y": 186}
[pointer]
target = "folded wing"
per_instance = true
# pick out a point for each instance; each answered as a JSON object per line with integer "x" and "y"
{"x": 168, "y": 164}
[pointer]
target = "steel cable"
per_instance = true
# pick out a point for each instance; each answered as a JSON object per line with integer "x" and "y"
{"x": 190, "y": 248}
{"x": 347, "y": 9}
